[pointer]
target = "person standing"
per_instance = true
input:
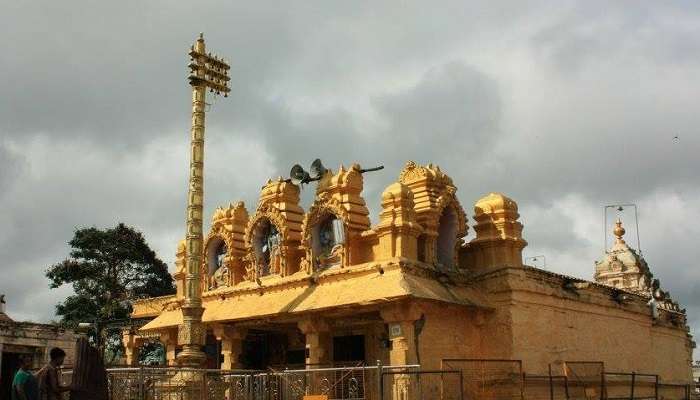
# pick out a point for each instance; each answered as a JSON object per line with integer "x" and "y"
{"x": 50, "y": 387}
{"x": 24, "y": 385}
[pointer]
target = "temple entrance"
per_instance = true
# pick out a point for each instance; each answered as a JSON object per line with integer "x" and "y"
{"x": 272, "y": 349}
{"x": 212, "y": 348}
{"x": 348, "y": 349}
{"x": 10, "y": 365}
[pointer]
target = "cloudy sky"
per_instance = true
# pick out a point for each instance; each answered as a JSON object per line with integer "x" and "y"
{"x": 564, "y": 106}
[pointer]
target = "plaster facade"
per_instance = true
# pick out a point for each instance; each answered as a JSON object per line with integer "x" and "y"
{"x": 325, "y": 287}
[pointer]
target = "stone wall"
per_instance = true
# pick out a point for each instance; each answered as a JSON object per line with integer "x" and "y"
{"x": 535, "y": 319}
{"x": 452, "y": 331}
{"x": 39, "y": 337}
{"x": 551, "y": 324}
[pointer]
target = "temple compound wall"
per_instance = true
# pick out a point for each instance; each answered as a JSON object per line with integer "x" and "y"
{"x": 283, "y": 286}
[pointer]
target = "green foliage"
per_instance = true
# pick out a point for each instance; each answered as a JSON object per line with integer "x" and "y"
{"x": 108, "y": 269}
{"x": 152, "y": 354}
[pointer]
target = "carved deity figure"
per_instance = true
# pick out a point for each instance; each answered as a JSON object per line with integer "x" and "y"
{"x": 331, "y": 238}
{"x": 269, "y": 259}
{"x": 220, "y": 277}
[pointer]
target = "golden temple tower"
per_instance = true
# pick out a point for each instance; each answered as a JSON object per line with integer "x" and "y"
{"x": 210, "y": 72}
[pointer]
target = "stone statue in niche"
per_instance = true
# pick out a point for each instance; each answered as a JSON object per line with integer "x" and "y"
{"x": 221, "y": 276}
{"x": 331, "y": 238}
{"x": 269, "y": 259}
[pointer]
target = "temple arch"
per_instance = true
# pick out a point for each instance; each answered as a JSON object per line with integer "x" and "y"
{"x": 266, "y": 246}
{"x": 447, "y": 237}
{"x": 223, "y": 247}
{"x": 328, "y": 240}
{"x": 273, "y": 233}
{"x": 216, "y": 252}
{"x": 438, "y": 211}
{"x": 325, "y": 234}
{"x": 216, "y": 264}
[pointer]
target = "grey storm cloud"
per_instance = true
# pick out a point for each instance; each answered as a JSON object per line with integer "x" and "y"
{"x": 564, "y": 106}
{"x": 12, "y": 167}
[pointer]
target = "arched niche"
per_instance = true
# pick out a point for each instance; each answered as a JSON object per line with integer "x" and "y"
{"x": 325, "y": 235}
{"x": 266, "y": 244}
{"x": 272, "y": 239}
{"x": 447, "y": 237}
{"x": 217, "y": 262}
{"x": 216, "y": 255}
{"x": 421, "y": 244}
{"x": 450, "y": 228}
{"x": 328, "y": 241}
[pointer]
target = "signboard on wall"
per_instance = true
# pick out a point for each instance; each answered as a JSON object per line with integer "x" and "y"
{"x": 395, "y": 330}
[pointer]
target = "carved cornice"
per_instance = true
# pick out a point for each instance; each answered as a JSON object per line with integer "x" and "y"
{"x": 413, "y": 172}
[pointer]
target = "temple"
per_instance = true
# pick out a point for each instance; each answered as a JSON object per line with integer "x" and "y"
{"x": 284, "y": 286}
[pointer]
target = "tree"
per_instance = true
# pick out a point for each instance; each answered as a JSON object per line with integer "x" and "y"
{"x": 108, "y": 269}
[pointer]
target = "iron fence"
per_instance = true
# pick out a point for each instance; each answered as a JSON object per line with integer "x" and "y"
{"x": 585, "y": 379}
{"x": 545, "y": 387}
{"x": 421, "y": 384}
{"x": 489, "y": 379}
{"x": 346, "y": 383}
{"x": 456, "y": 380}
{"x": 572, "y": 380}
{"x": 673, "y": 391}
{"x": 623, "y": 385}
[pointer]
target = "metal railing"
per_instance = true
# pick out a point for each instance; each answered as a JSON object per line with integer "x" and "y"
{"x": 421, "y": 384}
{"x": 456, "y": 380}
{"x": 496, "y": 379}
{"x": 491, "y": 379}
{"x": 342, "y": 383}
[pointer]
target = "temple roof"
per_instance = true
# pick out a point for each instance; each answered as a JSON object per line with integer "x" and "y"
{"x": 363, "y": 286}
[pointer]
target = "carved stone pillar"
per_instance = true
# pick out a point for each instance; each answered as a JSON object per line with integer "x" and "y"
{"x": 231, "y": 339}
{"x": 401, "y": 319}
{"x": 170, "y": 354}
{"x": 169, "y": 341}
{"x": 318, "y": 340}
{"x": 131, "y": 348}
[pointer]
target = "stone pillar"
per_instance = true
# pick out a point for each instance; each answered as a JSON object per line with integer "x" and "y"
{"x": 131, "y": 348}
{"x": 231, "y": 345}
{"x": 318, "y": 341}
{"x": 169, "y": 341}
{"x": 401, "y": 319}
{"x": 170, "y": 354}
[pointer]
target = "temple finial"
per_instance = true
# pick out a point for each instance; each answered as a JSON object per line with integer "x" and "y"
{"x": 619, "y": 231}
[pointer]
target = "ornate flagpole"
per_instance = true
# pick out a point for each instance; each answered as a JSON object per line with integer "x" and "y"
{"x": 207, "y": 71}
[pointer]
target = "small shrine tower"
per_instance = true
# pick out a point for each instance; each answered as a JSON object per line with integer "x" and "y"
{"x": 622, "y": 267}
